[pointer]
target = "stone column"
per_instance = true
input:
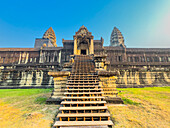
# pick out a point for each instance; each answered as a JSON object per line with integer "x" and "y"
{"x": 60, "y": 80}
{"x": 107, "y": 80}
{"x": 75, "y": 46}
{"x": 92, "y": 47}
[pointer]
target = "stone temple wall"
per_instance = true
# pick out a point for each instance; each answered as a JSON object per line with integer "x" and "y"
{"x": 41, "y": 79}
{"x": 29, "y": 67}
{"x": 25, "y": 79}
{"x": 130, "y": 79}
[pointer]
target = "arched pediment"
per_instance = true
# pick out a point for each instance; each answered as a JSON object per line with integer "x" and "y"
{"x": 83, "y": 32}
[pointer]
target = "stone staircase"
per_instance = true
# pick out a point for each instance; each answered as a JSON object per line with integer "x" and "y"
{"x": 83, "y": 104}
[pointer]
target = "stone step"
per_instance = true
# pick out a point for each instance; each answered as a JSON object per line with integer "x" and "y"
{"x": 110, "y": 91}
{"x": 84, "y": 108}
{"x": 96, "y": 89}
{"x": 83, "y": 115}
{"x": 83, "y": 102}
{"x": 82, "y": 123}
{"x": 70, "y": 93}
{"x": 82, "y": 86}
{"x": 83, "y": 74}
{"x": 94, "y": 97}
{"x": 87, "y": 127}
{"x": 82, "y": 83}
{"x": 80, "y": 76}
{"x": 82, "y": 80}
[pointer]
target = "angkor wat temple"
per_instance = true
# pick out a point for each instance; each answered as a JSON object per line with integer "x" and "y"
{"x": 137, "y": 67}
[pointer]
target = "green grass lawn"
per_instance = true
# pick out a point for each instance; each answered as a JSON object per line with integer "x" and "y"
{"x": 27, "y": 107}
{"x": 145, "y": 107}
{"x": 25, "y": 98}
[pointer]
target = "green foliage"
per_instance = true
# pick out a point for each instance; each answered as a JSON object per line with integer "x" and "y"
{"x": 25, "y": 98}
{"x": 40, "y": 100}
{"x": 129, "y": 101}
{"x": 21, "y": 92}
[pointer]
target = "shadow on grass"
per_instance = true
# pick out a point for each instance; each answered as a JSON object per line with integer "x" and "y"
{"x": 55, "y": 118}
{"x": 129, "y": 101}
{"x": 40, "y": 100}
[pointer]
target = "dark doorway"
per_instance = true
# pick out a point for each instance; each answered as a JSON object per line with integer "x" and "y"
{"x": 83, "y": 52}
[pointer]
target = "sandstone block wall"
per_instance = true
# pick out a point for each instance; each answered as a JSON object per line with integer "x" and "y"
{"x": 143, "y": 78}
{"x": 40, "y": 78}
{"x": 25, "y": 78}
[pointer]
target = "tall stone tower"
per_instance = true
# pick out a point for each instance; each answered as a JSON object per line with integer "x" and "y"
{"x": 49, "y": 34}
{"x": 48, "y": 39}
{"x": 116, "y": 38}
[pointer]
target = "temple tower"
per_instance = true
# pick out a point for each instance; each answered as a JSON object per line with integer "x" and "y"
{"x": 48, "y": 39}
{"x": 116, "y": 38}
{"x": 83, "y": 42}
{"x": 49, "y": 34}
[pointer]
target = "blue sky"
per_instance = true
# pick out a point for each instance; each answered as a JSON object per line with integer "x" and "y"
{"x": 144, "y": 23}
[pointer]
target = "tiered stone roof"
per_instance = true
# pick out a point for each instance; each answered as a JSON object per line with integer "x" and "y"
{"x": 49, "y": 34}
{"x": 116, "y": 38}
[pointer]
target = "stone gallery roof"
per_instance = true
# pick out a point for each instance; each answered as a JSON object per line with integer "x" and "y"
{"x": 97, "y": 41}
{"x": 19, "y": 49}
{"x": 52, "y": 48}
{"x": 113, "y": 48}
{"x": 148, "y": 49}
{"x": 68, "y": 41}
{"x": 138, "y": 49}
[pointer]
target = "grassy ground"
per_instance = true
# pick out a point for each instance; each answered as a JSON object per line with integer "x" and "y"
{"x": 26, "y": 108}
{"x": 146, "y": 108}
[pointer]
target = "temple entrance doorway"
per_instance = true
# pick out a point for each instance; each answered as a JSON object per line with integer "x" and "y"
{"x": 83, "y": 52}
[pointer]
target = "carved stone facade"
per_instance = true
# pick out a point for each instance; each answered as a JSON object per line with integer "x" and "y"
{"x": 137, "y": 66}
{"x": 83, "y": 42}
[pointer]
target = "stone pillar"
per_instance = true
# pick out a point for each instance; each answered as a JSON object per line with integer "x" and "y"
{"x": 107, "y": 80}
{"x": 92, "y": 47}
{"x": 75, "y": 46}
{"x": 60, "y": 80}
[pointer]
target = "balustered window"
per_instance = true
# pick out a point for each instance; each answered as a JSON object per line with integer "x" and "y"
{"x": 120, "y": 58}
{"x": 142, "y": 59}
{"x": 136, "y": 59}
{"x": 156, "y": 59}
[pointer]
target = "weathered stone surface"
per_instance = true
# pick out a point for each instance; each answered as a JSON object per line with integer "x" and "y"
{"x": 143, "y": 78}
{"x": 60, "y": 80}
{"x": 25, "y": 78}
